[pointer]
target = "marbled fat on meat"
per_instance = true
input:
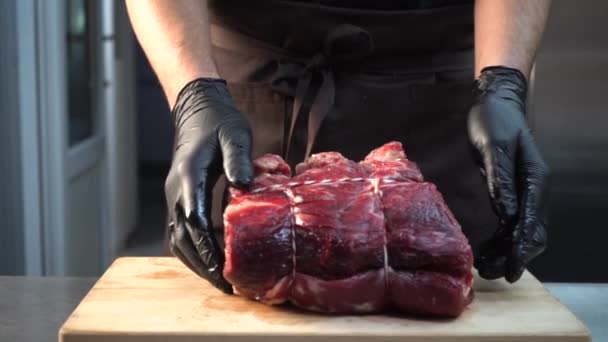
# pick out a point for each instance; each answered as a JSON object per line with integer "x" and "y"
{"x": 347, "y": 237}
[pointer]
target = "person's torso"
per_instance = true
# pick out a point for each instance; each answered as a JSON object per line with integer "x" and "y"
{"x": 388, "y": 4}
{"x": 397, "y": 27}
{"x": 413, "y": 86}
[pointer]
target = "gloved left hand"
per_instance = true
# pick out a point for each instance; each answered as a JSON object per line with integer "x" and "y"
{"x": 211, "y": 137}
{"x": 515, "y": 172}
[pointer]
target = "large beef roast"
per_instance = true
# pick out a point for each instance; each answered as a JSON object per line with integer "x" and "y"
{"x": 347, "y": 237}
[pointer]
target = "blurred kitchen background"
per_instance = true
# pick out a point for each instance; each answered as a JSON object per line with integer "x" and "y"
{"x": 85, "y": 139}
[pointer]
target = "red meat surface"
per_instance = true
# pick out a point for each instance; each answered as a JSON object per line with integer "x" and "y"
{"x": 347, "y": 237}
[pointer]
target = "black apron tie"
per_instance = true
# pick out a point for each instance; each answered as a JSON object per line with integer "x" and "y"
{"x": 314, "y": 93}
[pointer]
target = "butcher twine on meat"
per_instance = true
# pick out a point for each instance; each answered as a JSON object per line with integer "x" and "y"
{"x": 347, "y": 237}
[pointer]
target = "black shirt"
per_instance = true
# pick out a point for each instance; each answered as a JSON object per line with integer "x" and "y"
{"x": 389, "y": 4}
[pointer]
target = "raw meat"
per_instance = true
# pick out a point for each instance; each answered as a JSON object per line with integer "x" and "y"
{"x": 347, "y": 237}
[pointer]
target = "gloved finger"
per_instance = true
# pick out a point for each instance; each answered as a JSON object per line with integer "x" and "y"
{"x": 181, "y": 245}
{"x": 496, "y": 157}
{"x": 189, "y": 174}
{"x": 491, "y": 257}
{"x": 499, "y": 166}
{"x": 184, "y": 248}
{"x": 529, "y": 235}
{"x": 192, "y": 239}
{"x": 173, "y": 246}
{"x": 491, "y": 266}
{"x": 172, "y": 192}
{"x": 200, "y": 231}
{"x": 223, "y": 286}
{"x": 178, "y": 188}
{"x": 530, "y": 239}
{"x": 235, "y": 144}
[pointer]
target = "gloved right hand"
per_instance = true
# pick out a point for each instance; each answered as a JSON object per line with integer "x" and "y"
{"x": 516, "y": 174}
{"x": 211, "y": 136}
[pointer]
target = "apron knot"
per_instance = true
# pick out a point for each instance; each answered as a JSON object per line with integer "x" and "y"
{"x": 348, "y": 43}
{"x": 317, "y": 63}
{"x": 343, "y": 44}
{"x": 315, "y": 88}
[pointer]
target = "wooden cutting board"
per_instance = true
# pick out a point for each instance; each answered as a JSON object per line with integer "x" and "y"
{"x": 158, "y": 299}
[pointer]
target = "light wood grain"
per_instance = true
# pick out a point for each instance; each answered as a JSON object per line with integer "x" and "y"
{"x": 158, "y": 299}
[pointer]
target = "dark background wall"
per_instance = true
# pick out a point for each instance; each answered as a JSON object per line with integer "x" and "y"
{"x": 569, "y": 116}
{"x": 155, "y": 134}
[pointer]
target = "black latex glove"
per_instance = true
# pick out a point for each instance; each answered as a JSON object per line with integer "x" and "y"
{"x": 515, "y": 172}
{"x": 211, "y": 136}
